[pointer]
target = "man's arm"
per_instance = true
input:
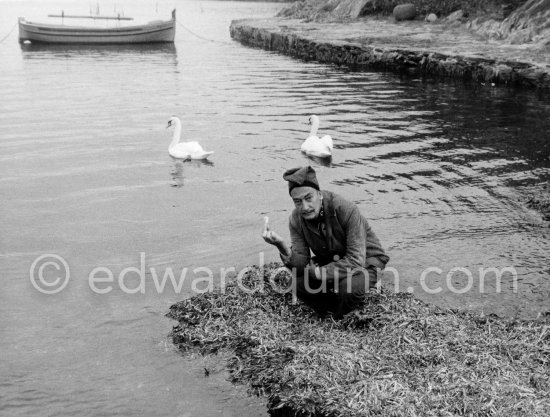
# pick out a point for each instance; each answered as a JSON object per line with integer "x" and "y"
{"x": 295, "y": 256}
{"x": 356, "y": 246}
{"x": 299, "y": 251}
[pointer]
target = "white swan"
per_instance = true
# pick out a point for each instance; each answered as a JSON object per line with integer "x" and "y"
{"x": 184, "y": 150}
{"x": 313, "y": 145}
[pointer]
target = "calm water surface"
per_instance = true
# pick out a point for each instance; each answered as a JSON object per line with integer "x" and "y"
{"x": 438, "y": 168}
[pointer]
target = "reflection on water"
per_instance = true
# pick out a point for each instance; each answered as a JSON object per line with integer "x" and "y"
{"x": 75, "y": 50}
{"x": 179, "y": 167}
{"x": 177, "y": 174}
{"x": 323, "y": 161}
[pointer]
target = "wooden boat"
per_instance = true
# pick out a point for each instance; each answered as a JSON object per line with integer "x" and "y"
{"x": 157, "y": 31}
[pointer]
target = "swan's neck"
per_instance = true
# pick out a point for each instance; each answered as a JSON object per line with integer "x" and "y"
{"x": 177, "y": 133}
{"x": 314, "y": 127}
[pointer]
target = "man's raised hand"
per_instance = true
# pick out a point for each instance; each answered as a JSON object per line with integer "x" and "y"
{"x": 270, "y": 236}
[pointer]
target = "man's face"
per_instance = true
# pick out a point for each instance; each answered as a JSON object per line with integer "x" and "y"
{"x": 308, "y": 201}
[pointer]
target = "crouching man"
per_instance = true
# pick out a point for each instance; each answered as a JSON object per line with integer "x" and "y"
{"x": 346, "y": 251}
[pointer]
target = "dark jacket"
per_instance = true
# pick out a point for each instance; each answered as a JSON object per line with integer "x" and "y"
{"x": 342, "y": 240}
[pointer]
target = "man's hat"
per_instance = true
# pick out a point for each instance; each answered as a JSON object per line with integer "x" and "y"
{"x": 301, "y": 177}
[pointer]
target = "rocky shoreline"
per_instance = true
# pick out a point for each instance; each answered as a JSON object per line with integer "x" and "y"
{"x": 413, "y": 47}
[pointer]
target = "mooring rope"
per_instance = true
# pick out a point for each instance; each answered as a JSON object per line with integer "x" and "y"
{"x": 9, "y": 33}
{"x": 199, "y": 36}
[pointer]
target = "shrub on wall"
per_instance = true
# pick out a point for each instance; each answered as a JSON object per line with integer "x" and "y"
{"x": 338, "y": 9}
{"x": 441, "y": 8}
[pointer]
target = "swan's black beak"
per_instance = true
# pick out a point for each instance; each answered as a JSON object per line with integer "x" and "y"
{"x": 169, "y": 124}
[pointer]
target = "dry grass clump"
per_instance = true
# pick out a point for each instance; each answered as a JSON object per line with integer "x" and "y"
{"x": 395, "y": 357}
{"x": 540, "y": 200}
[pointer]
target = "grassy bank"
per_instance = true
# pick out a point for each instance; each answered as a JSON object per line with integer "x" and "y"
{"x": 540, "y": 201}
{"x": 444, "y": 7}
{"x": 331, "y": 9}
{"x": 395, "y": 357}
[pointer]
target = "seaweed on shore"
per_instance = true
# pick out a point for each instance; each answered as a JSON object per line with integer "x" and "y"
{"x": 397, "y": 356}
{"x": 540, "y": 201}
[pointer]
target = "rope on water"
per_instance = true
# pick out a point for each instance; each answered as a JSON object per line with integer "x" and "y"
{"x": 199, "y": 36}
{"x": 9, "y": 33}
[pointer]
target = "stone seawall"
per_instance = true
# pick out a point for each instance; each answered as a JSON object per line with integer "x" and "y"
{"x": 369, "y": 54}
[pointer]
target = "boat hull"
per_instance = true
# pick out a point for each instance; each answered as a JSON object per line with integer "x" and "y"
{"x": 164, "y": 31}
